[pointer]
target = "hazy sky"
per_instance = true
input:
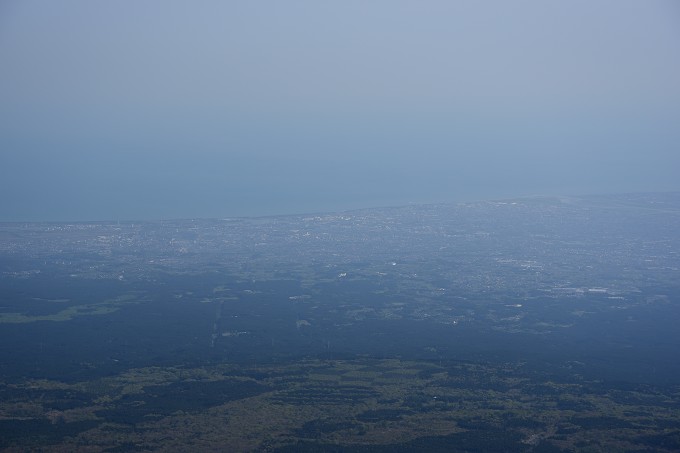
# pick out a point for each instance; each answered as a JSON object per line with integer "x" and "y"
{"x": 161, "y": 109}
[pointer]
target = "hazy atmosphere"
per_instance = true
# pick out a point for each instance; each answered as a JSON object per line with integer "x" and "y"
{"x": 156, "y": 110}
{"x": 340, "y": 226}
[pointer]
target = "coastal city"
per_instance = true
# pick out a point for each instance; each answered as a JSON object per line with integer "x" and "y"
{"x": 533, "y": 324}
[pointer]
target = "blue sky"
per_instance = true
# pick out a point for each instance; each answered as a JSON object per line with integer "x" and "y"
{"x": 150, "y": 110}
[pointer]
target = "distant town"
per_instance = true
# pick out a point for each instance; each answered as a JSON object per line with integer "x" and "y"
{"x": 533, "y": 324}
